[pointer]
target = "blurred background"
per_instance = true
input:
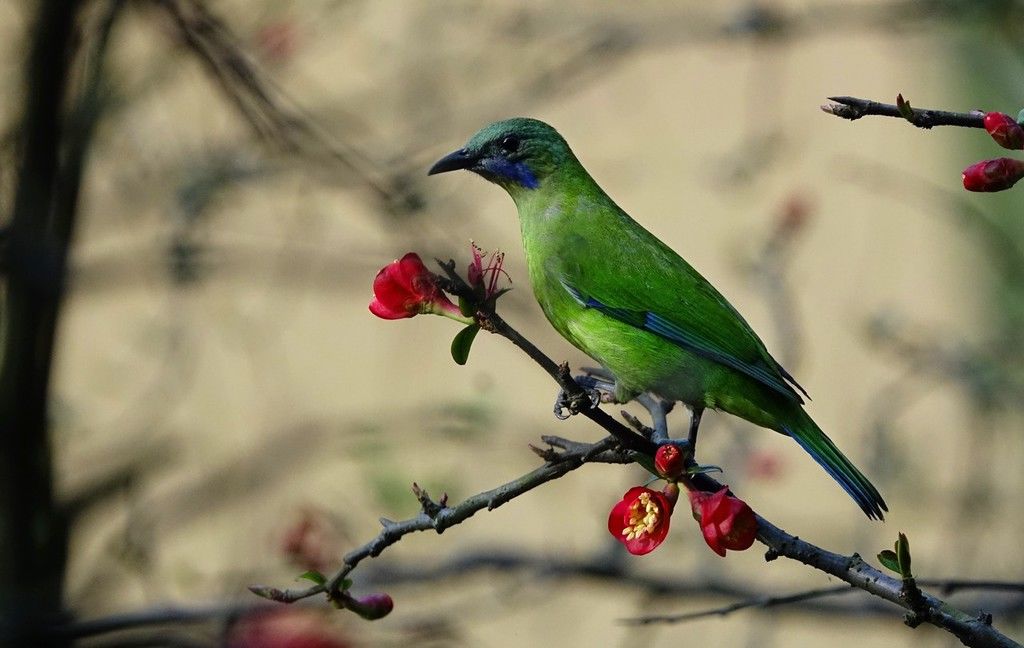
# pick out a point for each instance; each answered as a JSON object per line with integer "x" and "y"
{"x": 226, "y": 411}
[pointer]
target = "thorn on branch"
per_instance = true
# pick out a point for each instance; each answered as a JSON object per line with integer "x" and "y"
{"x": 429, "y": 506}
{"x": 636, "y": 424}
{"x": 550, "y": 455}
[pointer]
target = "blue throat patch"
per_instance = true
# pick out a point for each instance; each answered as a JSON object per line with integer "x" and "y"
{"x": 517, "y": 172}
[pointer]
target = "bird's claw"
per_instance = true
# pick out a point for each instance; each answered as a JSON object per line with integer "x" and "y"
{"x": 567, "y": 405}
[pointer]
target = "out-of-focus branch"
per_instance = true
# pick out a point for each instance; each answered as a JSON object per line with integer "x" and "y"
{"x": 439, "y": 516}
{"x": 157, "y": 616}
{"x": 854, "y": 108}
{"x": 754, "y": 602}
{"x": 762, "y": 601}
{"x": 267, "y": 110}
{"x": 613, "y": 573}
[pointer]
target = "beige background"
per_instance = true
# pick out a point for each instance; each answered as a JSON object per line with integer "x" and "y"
{"x": 263, "y": 385}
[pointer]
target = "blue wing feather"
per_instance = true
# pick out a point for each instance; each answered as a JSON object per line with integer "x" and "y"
{"x": 775, "y": 379}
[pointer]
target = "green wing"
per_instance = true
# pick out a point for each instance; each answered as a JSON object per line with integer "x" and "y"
{"x": 664, "y": 295}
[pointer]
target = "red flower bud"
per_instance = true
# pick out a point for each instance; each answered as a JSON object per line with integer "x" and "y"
{"x": 405, "y": 288}
{"x": 371, "y": 607}
{"x": 640, "y": 520}
{"x": 993, "y": 175}
{"x": 1004, "y": 130}
{"x": 669, "y": 461}
{"x": 310, "y": 541}
{"x": 725, "y": 521}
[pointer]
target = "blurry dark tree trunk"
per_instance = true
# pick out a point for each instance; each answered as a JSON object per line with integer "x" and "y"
{"x": 32, "y": 527}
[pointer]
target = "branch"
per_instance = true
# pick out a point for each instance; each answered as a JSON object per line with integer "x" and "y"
{"x": 156, "y": 616}
{"x": 754, "y": 602}
{"x": 853, "y": 108}
{"x": 438, "y": 516}
{"x": 921, "y": 607}
{"x": 470, "y": 562}
{"x": 492, "y": 322}
{"x": 623, "y": 447}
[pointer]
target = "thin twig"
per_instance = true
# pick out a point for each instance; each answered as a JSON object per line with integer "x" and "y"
{"x": 443, "y": 517}
{"x": 976, "y": 630}
{"x": 854, "y": 108}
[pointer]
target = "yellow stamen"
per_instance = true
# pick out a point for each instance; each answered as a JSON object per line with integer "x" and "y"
{"x": 644, "y": 517}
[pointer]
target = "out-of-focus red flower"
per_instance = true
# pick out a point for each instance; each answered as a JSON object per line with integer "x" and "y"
{"x": 277, "y": 41}
{"x": 640, "y": 520}
{"x": 762, "y": 464}
{"x": 726, "y": 521}
{"x": 310, "y": 542}
{"x": 1004, "y": 130}
{"x": 993, "y": 175}
{"x": 669, "y": 461}
{"x": 795, "y": 212}
{"x": 485, "y": 278}
{"x": 285, "y": 628}
{"x": 405, "y": 288}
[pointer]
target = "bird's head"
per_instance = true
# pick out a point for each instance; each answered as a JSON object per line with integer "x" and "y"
{"x": 519, "y": 154}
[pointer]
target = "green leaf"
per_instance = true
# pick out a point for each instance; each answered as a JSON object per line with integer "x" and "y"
{"x": 466, "y": 307}
{"x": 346, "y": 583}
{"x": 903, "y": 554}
{"x": 315, "y": 576}
{"x": 702, "y": 470}
{"x": 904, "y": 107}
{"x": 1020, "y": 117}
{"x": 889, "y": 560}
{"x": 463, "y": 342}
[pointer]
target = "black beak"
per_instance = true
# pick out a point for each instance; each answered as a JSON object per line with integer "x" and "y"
{"x": 461, "y": 159}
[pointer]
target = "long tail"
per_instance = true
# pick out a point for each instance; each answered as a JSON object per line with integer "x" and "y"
{"x": 818, "y": 445}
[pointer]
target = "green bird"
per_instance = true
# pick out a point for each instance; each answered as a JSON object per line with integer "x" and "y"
{"x": 624, "y": 298}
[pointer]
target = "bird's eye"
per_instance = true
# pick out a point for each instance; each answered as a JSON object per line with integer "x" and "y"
{"x": 509, "y": 143}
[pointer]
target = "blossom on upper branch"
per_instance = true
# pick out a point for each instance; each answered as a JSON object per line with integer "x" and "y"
{"x": 993, "y": 175}
{"x": 725, "y": 521}
{"x": 1004, "y": 130}
{"x": 640, "y": 520}
{"x": 405, "y": 288}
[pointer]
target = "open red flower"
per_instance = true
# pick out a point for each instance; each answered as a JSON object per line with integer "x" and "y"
{"x": 726, "y": 521}
{"x": 640, "y": 520}
{"x": 405, "y": 288}
{"x": 993, "y": 175}
{"x": 1004, "y": 130}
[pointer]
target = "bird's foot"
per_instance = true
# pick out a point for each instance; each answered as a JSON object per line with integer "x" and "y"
{"x": 596, "y": 388}
{"x": 658, "y": 410}
{"x": 567, "y": 405}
